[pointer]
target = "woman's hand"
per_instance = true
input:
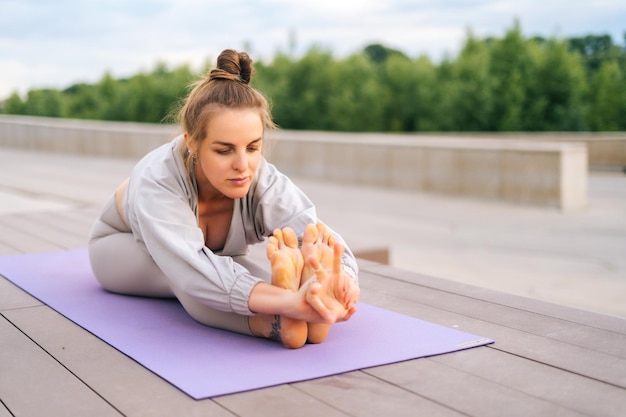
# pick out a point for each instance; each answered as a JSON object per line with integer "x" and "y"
{"x": 327, "y": 296}
{"x": 333, "y": 294}
{"x": 351, "y": 291}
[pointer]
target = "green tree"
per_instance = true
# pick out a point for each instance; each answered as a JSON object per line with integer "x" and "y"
{"x": 398, "y": 94}
{"x": 444, "y": 96}
{"x": 82, "y": 102}
{"x": 561, "y": 85}
{"x": 596, "y": 49}
{"x": 379, "y": 54}
{"x": 108, "y": 89}
{"x": 306, "y": 87}
{"x": 357, "y": 101}
{"x": 14, "y": 104}
{"x": 150, "y": 97}
{"x": 45, "y": 102}
{"x": 607, "y": 104}
{"x": 511, "y": 68}
{"x": 271, "y": 81}
{"x": 424, "y": 103}
{"x": 274, "y": 81}
{"x": 470, "y": 88}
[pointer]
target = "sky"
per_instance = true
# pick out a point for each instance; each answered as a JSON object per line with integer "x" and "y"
{"x": 57, "y": 43}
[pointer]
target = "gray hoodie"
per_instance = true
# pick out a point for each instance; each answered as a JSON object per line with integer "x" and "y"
{"x": 161, "y": 206}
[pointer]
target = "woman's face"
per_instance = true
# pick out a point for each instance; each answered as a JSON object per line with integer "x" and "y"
{"x": 229, "y": 155}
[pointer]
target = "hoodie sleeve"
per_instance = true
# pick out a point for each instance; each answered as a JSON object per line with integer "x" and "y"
{"x": 277, "y": 202}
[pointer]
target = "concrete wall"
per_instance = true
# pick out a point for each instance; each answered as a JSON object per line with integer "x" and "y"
{"x": 85, "y": 137}
{"x": 606, "y": 150}
{"x": 532, "y": 172}
{"x": 525, "y": 172}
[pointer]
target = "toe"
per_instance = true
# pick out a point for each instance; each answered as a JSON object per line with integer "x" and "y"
{"x": 321, "y": 231}
{"x": 280, "y": 240}
{"x": 310, "y": 234}
{"x": 271, "y": 247}
{"x": 290, "y": 237}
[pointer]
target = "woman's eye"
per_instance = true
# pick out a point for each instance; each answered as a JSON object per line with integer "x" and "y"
{"x": 223, "y": 151}
{"x": 253, "y": 149}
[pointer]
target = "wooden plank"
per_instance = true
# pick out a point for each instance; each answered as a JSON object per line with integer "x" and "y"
{"x": 523, "y": 320}
{"x": 466, "y": 393}
{"x": 32, "y": 383}
{"x": 67, "y": 221}
{"x": 122, "y": 382}
{"x": 587, "y": 362}
{"x": 597, "y": 339}
{"x": 46, "y": 231}
{"x": 12, "y": 297}
{"x": 469, "y": 306}
{"x": 24, "y": 242}
{"x": 353, "y": 393}
{"x": 48, "y": 188}
{"x": 43, "y": 227}
{"x": 609, "y": 323}
{"x": 557, "y": 386}
{"x": 358, "y": 393}
{"x": 72, "y": 227}
{"x": 6, "y": 248}
{"x": 592, "y": 364}
{"x": 278, "y": 401}
{"x": 80, "y": 219}
{"x": 3, "y": 410}
{"x": 68, "y": 177}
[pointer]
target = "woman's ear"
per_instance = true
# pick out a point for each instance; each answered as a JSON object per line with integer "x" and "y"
{"x": 188, "y": 142}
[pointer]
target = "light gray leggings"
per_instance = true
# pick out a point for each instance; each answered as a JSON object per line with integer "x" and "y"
{"x": 122, "y": 266}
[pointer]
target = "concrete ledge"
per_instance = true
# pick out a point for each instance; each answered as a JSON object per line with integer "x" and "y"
{"x": 525, "y": 172}
{"x": 606, "y": 150}
{"x": 84, "y": 137}
{"x": 378, "y": 254}
{"x": 531, "y": 172}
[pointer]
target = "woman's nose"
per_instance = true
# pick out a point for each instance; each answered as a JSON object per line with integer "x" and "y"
{"x": 241, "y": 161}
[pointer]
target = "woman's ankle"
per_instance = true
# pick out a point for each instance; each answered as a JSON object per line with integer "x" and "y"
{"x": 290, "y": 332}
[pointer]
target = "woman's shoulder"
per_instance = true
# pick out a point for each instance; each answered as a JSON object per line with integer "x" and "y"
{"x": 165, "y": 155}
{"x": 163, "y": 166}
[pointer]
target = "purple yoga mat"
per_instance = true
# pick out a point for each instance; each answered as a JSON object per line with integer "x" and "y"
{"x": 205, "y": 362}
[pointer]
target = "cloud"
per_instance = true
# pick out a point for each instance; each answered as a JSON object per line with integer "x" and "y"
{"x": 57, "y": 43}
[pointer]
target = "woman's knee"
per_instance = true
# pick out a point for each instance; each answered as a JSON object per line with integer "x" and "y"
{"x": 121, "y": 266}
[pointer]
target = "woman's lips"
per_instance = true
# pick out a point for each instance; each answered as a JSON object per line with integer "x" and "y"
{"x": 239, "y": 181}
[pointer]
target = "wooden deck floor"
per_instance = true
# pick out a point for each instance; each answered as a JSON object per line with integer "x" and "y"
{"x": 547, "y": 360}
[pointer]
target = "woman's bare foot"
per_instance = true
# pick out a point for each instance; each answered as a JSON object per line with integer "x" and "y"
{"x": 286, "y": 259}
{"x": 317, "y": 243}
{"x": 287, "y": 263}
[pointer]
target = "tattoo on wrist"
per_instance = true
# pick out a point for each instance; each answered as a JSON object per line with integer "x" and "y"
{"x": 275, "y": 333}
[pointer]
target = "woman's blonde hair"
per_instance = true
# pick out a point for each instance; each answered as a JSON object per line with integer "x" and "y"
{"x": 227, "y": 86}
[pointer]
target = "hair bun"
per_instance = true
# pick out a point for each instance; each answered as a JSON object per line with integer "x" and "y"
{"x": 233, "y": 66}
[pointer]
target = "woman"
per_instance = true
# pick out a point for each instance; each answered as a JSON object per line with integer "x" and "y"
{"x": 180, "y": 225}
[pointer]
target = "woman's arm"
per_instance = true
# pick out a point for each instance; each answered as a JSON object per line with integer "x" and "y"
{"x": 277, "y": 202}
{"x": 326, "y": 298}
{"x": 270, "y": 299}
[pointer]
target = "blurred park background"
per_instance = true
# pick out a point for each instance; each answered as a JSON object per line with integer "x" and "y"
{"x": 509, "y": 83}
{"x": 511, "y": 87}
